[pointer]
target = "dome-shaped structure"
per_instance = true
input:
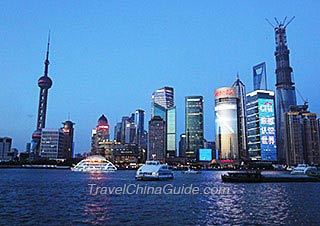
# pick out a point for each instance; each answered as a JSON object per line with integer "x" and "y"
{"x": 45, "y": 82}
{"x": 103, "y": 121}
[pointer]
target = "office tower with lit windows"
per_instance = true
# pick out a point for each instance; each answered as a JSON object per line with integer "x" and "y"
{"x": 163, "y": 106}
{"x": 52, "y": 144}
{"x": 242, "y": 120}
{"x": 261, "y": 126}
{"x": 182, "y": 145}
{"x": 44, "y": 84}
{"x": 100, "y": 134}
{"x": 68, "y": 131}
{"x": 301, "y": 136}
{"x": 157, "y": 139}
{"x": 5, "y": 148}
{"x": 194, "y": 126}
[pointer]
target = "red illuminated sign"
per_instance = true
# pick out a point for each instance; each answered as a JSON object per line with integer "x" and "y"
{"x": 227, "y": 161}
{"x": 224, "y": 92}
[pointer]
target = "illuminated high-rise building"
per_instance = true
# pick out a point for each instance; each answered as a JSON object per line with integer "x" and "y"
{"x": 5, "y": 148}
{"x": 301, "y": 136}
{"x": 285, "y": 87}
{"x": 260, "y": 77}
{"x": 163, "y": 106}
{"x": 261, "y": 126}
{"x": 227, "y": 125}
{"x": 157, "y": 139}
{"x": 68, "y": 131}
{"x": 45, "y": 84}
{"x": 242, "y": 120}
{"x": 194, "y": 126}
{"x": 52, "y": 144}
{"x": 100, "y": 134}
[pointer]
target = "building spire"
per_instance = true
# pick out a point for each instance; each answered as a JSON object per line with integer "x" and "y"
{"x": 46, "y": 62}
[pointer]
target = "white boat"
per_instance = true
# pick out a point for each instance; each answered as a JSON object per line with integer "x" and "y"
{"x": 191, "y": 171}
{"x": 304, "y": 169}
{"x": 94, "y": 163}
{"x": 154, "y": 170}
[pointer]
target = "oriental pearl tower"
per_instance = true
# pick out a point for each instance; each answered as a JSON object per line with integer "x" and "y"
{"x": 45, "y": 84}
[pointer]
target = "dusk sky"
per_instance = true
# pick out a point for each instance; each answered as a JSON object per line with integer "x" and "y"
{"x": 107, "y": 57}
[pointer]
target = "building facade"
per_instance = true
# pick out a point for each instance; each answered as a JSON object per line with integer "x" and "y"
{"x": 194, "y": 130}
{"x": 157, "y": 139}
{"x": 242, "y": 118}
{"x": 182, "y": 145}
{"x": 52, "y": 144}
{"x": 285, "y": 87}
{"x": 68, "y": 131}
{"x": 260, "y": 109}
{"x": 260, "y": 77}
{"x": 163, "y": 106}
{"x": 226, "y": 121}
{"x": 5, "y": 147}
{"x": 302, "y": 136}
{"x": 100, "y": 134}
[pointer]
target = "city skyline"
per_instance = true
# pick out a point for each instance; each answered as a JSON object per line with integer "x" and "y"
{"x": 90, "y": 73}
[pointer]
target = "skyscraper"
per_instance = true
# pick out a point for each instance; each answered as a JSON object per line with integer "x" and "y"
{"x": 157, "y": 139}
{"x": 182, "y": 145}
{"x": 164, "y": 97}
{"x": 5, "y": 147}
{"x": 194, "y": 126}
{"x": 302, "y": 136}
{"x": 261, "y": 126}
{"x": 226, "y": 117}
{"x": 285, "y": 88}
{"x": 45, "y": 84}
{"x": 100, "y": 134}
{"x": 139, "y": 124}
{"x": 260, "y": 77}
{"x": 52, "y": 144}
{"x": 242, "y": 120}
{"x": 163, "y": 106}
{"x": 68, "y": 131}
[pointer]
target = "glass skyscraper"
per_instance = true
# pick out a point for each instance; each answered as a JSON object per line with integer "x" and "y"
{"x": 261, "y": 126}
{"x": 163, "y": 106}
{"x": 194, "y": 126}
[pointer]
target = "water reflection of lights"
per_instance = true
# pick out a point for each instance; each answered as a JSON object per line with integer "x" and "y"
{"x": 98, "y": 175}
{"x": 249, "y": 203}
{"x": 97, "y": 211}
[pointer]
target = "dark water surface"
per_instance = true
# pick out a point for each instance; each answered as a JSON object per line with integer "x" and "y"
{"x": 62, "y": 197}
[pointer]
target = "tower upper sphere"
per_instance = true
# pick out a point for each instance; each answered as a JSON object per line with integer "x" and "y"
{"x": 45, "y": 82}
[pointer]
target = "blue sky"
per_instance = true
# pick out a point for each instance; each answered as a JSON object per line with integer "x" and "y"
{"x": 107, "y": 57}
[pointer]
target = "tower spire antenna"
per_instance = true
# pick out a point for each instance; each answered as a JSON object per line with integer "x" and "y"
{"x": 289, "y": 21}
{"x": 277, "y": 21}
{"x": 270, "y": 23}
{"x": 46, "y": 62}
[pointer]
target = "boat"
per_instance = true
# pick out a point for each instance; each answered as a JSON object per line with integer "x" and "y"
{"x": 304, "y": 169}
{"x": 94, "y": 163}
{"x": 242, "y": 176}
{"x": 154, "y": 170}
{"x": 191, "y": 171}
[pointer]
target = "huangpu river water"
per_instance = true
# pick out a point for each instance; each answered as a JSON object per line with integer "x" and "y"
{"x": 63, "y": 197}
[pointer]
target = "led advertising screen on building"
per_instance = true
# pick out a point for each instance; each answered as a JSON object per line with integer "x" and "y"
{"x": 205, "y": 154}
{"x": 267, "y": 129}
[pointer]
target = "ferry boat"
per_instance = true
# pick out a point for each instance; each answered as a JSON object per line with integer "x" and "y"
{"x": 304, "y": 169}
{"x": 191, "y": 171}
{"x": 94, "y": 163}
{"x": 242, "y": 176}
{"x": 154, "y": 170}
